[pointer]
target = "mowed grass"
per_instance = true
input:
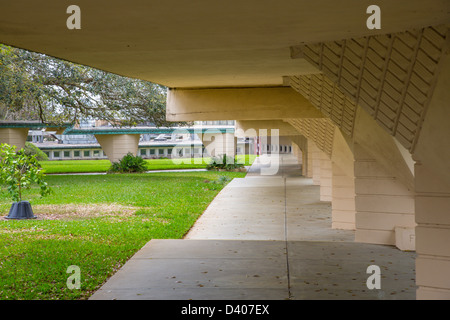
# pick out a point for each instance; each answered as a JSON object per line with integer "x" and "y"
{"x": 79, "y": 166}
{"x": 96, "y": 223}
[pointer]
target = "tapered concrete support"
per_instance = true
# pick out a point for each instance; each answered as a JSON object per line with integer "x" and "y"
{"x": 118, "y": 145}
{"x": 325, "y": 178}
{"x": 218, "y": 144}
{"x": 343, "y": 200}
{"x": 432, "y": 186}
{"x": 298, "y": 154}
{"x": 433, "y": 235}
{"x": 321, "y": 171}
{"x": 382, "y": 202}
{"x": 14, "y": 136}
{"x": 309, "y": 156}
{"x": 315, "y": 156}
{"x": 301, "y": 143}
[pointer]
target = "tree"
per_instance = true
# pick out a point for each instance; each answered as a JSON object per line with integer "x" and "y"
{"x": 38, "y": 87}
{"x": 19, "y": 170}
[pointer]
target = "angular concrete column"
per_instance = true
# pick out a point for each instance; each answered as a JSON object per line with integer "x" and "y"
{"x": 309, "y": 158}
{"x": 432, "y": 186}
{"x": 315, "y": 156}
{"x": 325, "y": 178}
{"x": 300, "y": 149}
{"x": 298, "y": 154}
{"x": 382, "y": 202}
{"x": 432, "y": 235}
{"x": 218, "y": 144}
{"x": 14, "y": 136}
{"x": 343, "y": 200}
{"x": 118, "y": 145}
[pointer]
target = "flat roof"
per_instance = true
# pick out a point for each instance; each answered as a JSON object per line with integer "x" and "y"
{"x": 144, "y": 130}
{"x": 29, "y": 124}
{"x": 202, "y": 43}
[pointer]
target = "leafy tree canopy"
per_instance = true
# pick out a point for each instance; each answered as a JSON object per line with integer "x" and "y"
{"x": 34, "y": 86}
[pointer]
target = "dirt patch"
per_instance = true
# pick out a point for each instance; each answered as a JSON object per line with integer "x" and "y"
{"x": 81, "y": 211}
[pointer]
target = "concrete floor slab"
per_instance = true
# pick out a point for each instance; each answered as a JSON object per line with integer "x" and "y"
{"x": 263, "y": 237}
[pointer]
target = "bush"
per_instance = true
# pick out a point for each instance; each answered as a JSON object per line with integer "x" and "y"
{"x": 31, "y": 150}
{"x": 224, "y": 163}
{"x": 129, "y": 164}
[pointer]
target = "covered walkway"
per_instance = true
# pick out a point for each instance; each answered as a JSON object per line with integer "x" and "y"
{"x": 264, "y": 237}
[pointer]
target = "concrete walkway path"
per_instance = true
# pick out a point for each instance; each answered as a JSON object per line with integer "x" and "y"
{"x": 263, "y": 237}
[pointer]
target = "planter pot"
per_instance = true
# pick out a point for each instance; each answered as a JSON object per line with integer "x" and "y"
{"x": 21, "y": 210}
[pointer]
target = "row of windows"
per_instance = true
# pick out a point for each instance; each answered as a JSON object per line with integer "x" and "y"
{"x": 168, "y": 151}
{"x": 274, "y": 147}
{"x": 75, "y": 154}
{"x": 143, "y": 152}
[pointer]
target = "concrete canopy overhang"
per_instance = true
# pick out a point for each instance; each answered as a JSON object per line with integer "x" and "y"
{"x": 191, "y": 44}
{"x": 254, "y": 128}
{"x": 264, "y": 103}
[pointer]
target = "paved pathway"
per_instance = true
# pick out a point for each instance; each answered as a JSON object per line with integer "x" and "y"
{"x": 263, "y": 237}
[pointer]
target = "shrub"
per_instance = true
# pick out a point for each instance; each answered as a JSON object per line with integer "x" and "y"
{"x": 224, "y": 163}
{"x": 128, "y": 164}
{"x": 31, "y": 150}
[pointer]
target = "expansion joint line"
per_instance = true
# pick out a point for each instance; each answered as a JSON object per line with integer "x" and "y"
{"x": 286, "y": 238}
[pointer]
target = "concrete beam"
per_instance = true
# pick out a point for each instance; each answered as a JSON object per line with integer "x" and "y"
{"x": 238, "y": 104}
{"x": 253, "y": 128}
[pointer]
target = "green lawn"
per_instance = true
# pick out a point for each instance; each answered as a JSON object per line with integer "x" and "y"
{"x": 96, "y": 223}
{"x": 75, "y": 166}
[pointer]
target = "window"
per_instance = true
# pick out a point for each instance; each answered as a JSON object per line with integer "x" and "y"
{"x": 169, "y": 151}
{"x": 196, "y": 150}
{"x": 143, "y": 152}
{"x": 56, "y": 154}
{"x": 66, "y": 154}
{"x": 47, "y": 153}
{"x": 160, "y": 151}
{"x": 86, "y": 153}
{"x": 76, "y": 154}
{"x": 152, "y": 151}
{"x": 96, "y": 153}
